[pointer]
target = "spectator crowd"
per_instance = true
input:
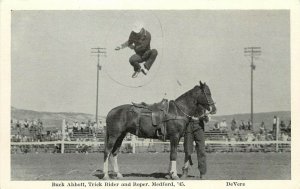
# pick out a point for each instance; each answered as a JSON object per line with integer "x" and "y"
{"x": 82, "y": 132}
{"x": 244, "y": 131}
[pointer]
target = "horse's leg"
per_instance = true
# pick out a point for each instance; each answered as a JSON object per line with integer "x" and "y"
{"x": 109, "y": 144}
{"x": 173, "y": 156}
{"x": 114, "y": 157}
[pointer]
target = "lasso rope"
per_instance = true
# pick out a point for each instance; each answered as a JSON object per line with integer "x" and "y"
{"x": 149, "y": 81}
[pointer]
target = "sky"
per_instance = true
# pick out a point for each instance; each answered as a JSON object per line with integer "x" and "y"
{"x": 53, "y": 68}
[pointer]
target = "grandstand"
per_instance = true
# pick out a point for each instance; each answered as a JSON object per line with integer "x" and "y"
{"x": 53, "y": 140}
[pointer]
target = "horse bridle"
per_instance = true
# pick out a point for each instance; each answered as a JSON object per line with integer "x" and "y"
{"x": 209, "y": 102}
{"x": 203, "y": 115}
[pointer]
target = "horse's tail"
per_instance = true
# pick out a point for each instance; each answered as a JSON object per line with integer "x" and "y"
{"x": 106, "y": 151}
{"x": 105, "y": 137}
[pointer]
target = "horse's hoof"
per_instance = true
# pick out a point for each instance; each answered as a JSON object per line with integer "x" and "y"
{"x": 119, "y": 176}
{"x": 106, "y": 177}
{"x": 175, "y": 177}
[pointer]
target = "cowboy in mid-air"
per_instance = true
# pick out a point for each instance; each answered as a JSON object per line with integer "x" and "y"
{"x": 139, "y": 40}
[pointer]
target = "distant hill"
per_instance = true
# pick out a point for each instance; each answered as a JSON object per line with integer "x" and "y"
{"x": 54, "y": 119}
{"x": 51, "y": 119}
{"x": 267, "y": 117}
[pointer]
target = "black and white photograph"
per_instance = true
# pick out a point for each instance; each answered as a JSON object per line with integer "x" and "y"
{"x": 120, "y": 97}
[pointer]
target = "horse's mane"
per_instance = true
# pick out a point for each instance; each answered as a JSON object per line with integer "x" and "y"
{"x": 186, "y": 93}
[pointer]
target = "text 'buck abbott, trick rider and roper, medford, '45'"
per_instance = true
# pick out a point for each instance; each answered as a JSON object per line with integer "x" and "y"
{"x": 116, "y": 184}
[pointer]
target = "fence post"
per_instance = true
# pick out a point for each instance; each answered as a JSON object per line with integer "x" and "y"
{"x": 277, "y": 133}
{"x": 63, "y": 127}
{"x": 133, "y": 141}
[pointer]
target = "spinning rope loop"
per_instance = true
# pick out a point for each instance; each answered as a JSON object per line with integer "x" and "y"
{"x": 109, "y": 75}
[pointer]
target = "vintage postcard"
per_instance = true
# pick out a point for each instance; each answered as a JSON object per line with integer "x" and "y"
{"x": 149, "y": 95}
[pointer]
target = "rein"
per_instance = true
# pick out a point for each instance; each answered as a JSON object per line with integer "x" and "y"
{"x": 191, "y": 117}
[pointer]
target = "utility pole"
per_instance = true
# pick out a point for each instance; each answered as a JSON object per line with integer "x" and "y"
{"x": 253, "y": 52}
{"x": 99, "y": 51}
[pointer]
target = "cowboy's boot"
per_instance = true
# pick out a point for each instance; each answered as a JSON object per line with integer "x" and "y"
{"x": 185, "y": 172}
{"x": 135, "y": 74}
{"x": 201, "y": 173}
{"x": 144, "y": 71}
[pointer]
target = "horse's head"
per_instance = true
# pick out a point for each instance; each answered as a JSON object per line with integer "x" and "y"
{"x": 203, "y": 98}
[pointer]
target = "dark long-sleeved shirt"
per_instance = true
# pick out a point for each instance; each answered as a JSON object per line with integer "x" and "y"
{"x": 139, "y": 41}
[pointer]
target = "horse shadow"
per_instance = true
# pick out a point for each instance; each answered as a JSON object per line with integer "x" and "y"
{"x": 155, "y": 175}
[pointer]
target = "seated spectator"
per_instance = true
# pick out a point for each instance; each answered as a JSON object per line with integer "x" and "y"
{"x": 282, "y": 126}
{"x": 95, "y": 128}
{"x": 91, "y": 128}
{"x": 257, "y": 137}
{"x": 249, "y": 125}
{"x": 233, "y": 125}
{"x": 18, "y": 126}
{"x": 242, "y": 125}
{"x": 250, "y": 137}
{"x": 274, "y": 126}
{"x": 26, "y": 124}
{"x": 288, "y": 128}
{"x": 13, "y": 138}
{"x": 284, "y": 136}
{"x": 269, "y": 137}
{"x": 81, "y": 127}
{"x": 262, "y": 128}
{"x": 35, "y": 123}
{"x": 76, "y": 127}
{"x": 263, "y": 137}
{"x": 86, "y": 128}
{"x": 70, "y": 131}
{"x": 216, "y": 126}
{"x": 223, "y": 125}
{"x": 24, "y": 139}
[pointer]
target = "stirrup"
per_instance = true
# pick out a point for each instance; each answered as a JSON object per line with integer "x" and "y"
{"x": 159, "y": 134}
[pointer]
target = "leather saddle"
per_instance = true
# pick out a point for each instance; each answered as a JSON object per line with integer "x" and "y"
{"x": 157, "y": 111}
{"x": 162, "y": 105}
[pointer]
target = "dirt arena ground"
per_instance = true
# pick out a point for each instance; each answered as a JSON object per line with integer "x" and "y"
{"x": 150, "y": 166}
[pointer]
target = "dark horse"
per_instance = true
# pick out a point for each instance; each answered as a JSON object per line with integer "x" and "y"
{"x": 122, "y": 120}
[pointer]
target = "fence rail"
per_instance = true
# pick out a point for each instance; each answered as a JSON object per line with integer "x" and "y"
{"x": 159, "y": 146}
